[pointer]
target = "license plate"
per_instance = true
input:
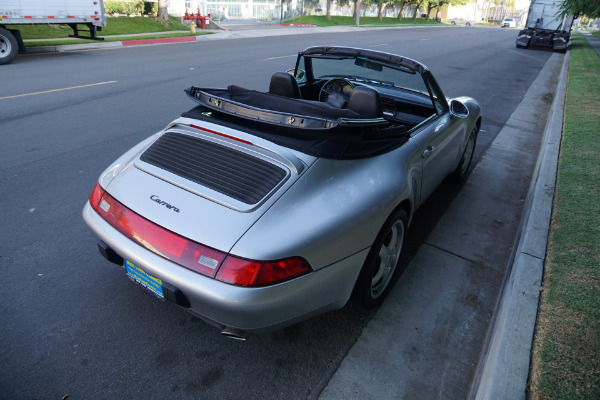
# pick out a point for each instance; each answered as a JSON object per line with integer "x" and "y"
{"x": 148, "y": 281}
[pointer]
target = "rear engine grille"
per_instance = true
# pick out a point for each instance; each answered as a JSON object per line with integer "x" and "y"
{"x": 236, "y": 174}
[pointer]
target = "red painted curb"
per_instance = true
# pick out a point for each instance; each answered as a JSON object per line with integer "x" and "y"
{"x": 160, "y": 40}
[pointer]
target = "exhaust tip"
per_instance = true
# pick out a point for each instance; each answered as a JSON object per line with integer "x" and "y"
{"x": 236, "y": 334}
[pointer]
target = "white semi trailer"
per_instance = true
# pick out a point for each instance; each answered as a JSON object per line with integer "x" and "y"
{"x": 85, "y": 17}
{"x": 545, "y": 26}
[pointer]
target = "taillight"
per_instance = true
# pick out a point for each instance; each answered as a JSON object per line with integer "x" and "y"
{"x": 242, "y": 272}
{"x": 96, "y": 196}
{"x": 190, "y": 254}
{"x": 159, "y": 240}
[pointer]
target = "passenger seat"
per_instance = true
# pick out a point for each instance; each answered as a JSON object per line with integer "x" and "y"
{"x": 366, "y": 102}
{"x": 284, "y": 84}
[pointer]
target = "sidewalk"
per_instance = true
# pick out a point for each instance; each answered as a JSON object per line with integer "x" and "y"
{"x": 376, "y": 367}
{"x": 594, "y": 41}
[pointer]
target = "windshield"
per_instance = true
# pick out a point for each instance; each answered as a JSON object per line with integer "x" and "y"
{"x": 368, "y": 71}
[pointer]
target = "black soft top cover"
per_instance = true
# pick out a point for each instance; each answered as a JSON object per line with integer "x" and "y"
{"x": 311, "y": 127}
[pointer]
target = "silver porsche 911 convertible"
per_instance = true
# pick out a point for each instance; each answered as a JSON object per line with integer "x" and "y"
{"x": 259, "y": 209}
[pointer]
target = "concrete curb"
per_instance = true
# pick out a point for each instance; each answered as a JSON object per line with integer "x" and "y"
{"x": 104, "y": 45}
{"x": 505, "y": 368}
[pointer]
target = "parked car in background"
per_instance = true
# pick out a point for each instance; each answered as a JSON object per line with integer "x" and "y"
{"x": 461, "y": 21}
{"x": 508, "y": 23}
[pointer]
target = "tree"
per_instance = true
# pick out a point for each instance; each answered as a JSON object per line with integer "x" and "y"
{"x": 419, "y": 2}
{"x": 430, "y": 6}
{"x": 439, "y": 5}
{"x": 382, "y": 4}
{"x": 403, "y": 4}
{"x": 162, "y": 14}
{"x": 589, "y": 8}
{"x": 328, "y": 10}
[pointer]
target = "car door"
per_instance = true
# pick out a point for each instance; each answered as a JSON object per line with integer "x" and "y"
{"x": 439, "y": 142}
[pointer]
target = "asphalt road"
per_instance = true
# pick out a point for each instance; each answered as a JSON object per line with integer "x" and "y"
{"x": 72, "y": 322}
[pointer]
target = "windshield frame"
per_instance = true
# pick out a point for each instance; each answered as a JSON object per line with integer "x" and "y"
{"x": 424, "y": 84}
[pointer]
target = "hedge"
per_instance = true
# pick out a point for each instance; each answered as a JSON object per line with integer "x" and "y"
{"x": 136, "y": 7}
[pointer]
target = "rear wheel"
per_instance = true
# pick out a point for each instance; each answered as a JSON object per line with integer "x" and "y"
{"x": 376, "y": 275}
{"x": 8, "y": 47}
{"x": 462, "y": 170}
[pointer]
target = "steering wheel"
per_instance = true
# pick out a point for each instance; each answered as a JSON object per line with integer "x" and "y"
{"x": 336, "y": 92}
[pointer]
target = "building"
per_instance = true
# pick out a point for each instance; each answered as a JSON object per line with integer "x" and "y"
{"x": 226, "y": 9}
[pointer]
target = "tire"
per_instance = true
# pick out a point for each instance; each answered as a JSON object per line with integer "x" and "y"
{"x": 376, "y": 276}
{"x": 462, "y": 169}
{"x": 8, "y": 47}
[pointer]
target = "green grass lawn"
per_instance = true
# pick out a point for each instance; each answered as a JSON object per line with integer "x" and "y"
{"x": 566, "y": 361}
{"x": 322, "y": 20}
{"x": 114, "y": 26}
{"x": 130, "y": 25}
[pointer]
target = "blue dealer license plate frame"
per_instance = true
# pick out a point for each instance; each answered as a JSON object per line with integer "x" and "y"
{"x": 138, "y": 275}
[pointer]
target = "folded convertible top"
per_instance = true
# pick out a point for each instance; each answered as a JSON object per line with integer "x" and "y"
{"x": 277, "y": 110}
{"x": 307, "y": 126}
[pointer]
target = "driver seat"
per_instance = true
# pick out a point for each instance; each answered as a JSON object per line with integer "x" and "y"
{"x": 366, "y": 102}
{"x": 284, "y": 84}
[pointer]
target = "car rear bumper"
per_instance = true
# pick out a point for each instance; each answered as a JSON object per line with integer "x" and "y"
{"x": 226, "y": 306}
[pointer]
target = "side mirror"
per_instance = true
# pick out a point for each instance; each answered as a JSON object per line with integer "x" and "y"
{"x": 458, "y": 109}
{"x": 300, "y": 75}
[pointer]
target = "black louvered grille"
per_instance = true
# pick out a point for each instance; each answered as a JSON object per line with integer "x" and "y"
{"x": 225, "y": 170}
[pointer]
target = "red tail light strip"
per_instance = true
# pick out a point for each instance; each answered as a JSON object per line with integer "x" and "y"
{"x": 192, "y": 255}
{"x": 161, "y": 241}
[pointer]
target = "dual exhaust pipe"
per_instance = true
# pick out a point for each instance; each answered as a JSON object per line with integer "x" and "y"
{"x": 236, "y": 334}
